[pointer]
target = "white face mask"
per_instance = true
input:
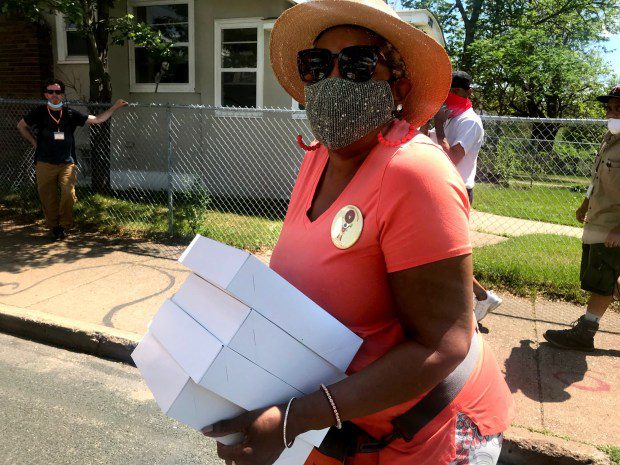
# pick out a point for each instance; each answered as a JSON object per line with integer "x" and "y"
{"x": 613, "y": 124}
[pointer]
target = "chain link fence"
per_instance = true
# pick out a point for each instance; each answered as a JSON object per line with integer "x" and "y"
{"x": 167, "y": 172}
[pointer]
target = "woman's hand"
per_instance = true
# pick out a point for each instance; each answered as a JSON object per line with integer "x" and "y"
{"x": 119, "y": 104}
{"x": 263, "y": 442}
{"x": 581, "y": 212}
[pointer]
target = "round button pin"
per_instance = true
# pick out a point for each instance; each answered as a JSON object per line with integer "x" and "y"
{"x": 347, "y": 227}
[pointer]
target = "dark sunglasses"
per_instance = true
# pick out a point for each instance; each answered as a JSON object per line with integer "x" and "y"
{"x": 356, "y": 63}
{"x": 57, "y": 92}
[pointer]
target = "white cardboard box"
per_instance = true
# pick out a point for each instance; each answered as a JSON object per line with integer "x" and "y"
{"x": 213, "y": 308}
{"x": 182, "y": 399}
{"x": 246, "y": 278}
{"x": 254, "y": 337}
{"x": 174, "y": 391}
{"x": 248, "y": 341}
{"x": 214, "y": 366}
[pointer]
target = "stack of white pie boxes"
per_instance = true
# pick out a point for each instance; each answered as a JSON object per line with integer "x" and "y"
{"x": 237, "y": 337}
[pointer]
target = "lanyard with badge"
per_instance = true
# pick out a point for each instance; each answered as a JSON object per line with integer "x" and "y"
{"x": 58, "y": 135}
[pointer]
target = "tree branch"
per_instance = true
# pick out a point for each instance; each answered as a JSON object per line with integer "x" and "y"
{"x": 517, "y": 109}
{"x": 461, "y": 9}
{"x": 476, "y": 10}
{"x": 554, "y": 14}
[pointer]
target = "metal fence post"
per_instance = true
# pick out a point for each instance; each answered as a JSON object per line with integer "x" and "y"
{"x": 170, "y": 164}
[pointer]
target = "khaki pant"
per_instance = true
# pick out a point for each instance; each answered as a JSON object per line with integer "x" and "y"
{"x": 50, "y": 179}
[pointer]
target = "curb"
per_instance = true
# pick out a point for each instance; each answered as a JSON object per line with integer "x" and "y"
{"x": 524, "y": 447}
{"x": 520, "y": 446}
{"x": 77, "y": 336}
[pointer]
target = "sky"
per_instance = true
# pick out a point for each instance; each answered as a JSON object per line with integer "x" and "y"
{"x": 613, "y": 55}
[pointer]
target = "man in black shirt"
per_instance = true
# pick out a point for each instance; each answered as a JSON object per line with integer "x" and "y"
{"x": 50, "y": 128}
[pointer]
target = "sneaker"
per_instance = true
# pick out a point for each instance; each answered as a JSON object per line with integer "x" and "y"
{"x": 486, "y": 306}
{"x": 579, "y": 337}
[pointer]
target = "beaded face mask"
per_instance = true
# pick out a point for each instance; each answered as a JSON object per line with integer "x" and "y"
{"x": 341, "y": 111}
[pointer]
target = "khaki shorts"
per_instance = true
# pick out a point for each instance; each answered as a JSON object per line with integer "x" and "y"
{"x": 600, "y": 268}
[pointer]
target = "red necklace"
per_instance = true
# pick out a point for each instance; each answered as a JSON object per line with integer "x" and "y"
{"x": 57, "y": 121}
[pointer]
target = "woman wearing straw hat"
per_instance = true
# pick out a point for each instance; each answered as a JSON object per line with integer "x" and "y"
{"x": 377, "y": 234}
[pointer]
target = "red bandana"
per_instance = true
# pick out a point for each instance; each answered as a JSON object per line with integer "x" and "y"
{"x": 457, "y": 104}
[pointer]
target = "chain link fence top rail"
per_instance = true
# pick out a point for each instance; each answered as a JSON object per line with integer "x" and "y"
{"x": 167, "y": 172}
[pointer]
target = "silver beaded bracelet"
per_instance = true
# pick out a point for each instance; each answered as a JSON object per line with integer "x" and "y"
{"x": 287, "y": 444}
{"x": 333, "y": 405}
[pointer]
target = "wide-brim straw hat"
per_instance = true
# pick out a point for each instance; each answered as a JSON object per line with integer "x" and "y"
{"x": 428, "y": 65}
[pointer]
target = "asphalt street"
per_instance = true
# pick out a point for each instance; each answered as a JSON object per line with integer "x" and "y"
{"x": 59, "y": 407}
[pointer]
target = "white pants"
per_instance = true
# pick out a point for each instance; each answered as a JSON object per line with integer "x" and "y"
{"x": 471, "y": 447}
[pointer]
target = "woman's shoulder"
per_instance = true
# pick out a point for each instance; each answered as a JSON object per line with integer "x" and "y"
{"x": 420, "y": 158}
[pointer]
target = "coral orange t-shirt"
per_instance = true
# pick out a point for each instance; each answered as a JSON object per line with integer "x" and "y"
{"x": 415, "y": 211}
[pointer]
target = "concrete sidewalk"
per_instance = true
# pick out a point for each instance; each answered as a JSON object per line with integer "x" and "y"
{"x": 569, "y": 397}
{"x": 492, "y": 224}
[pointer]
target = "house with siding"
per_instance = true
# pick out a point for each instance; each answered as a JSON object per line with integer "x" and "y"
{"x": 221, "y": 60}
{"x": 222, "y": 53}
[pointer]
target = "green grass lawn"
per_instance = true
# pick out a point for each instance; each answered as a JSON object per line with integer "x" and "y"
{"x": 252, "y": 233}
{"x": 531, "y": 265}
{"x": 137, "y": 217}
{"x": 538, "y": 202}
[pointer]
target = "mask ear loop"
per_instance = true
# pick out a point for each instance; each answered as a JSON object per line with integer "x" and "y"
{"x": 396, "y": 143}
{"x": 308, "y": 148}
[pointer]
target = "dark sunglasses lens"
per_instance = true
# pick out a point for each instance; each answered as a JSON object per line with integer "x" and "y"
{"x": 358, "y": 63}
{"x": 57, "y": 92}
{"x": 314, "y": 64}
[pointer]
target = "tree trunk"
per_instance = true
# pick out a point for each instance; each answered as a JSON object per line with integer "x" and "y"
{"x": 471, "y": 28}
{"x": 466, "y": 59}
{"x": 543, "y": 137}
{"x": 100, "y": 92}
{"x": 100, "y": 156}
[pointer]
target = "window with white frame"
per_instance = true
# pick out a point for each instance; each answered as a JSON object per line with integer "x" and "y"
{"x": 239, "y": 63}
{"x": 72, "y": 46}
{"x": 174, "y": 19}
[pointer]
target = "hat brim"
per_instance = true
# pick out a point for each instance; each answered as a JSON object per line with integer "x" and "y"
{"x": 428, "y": 66}
{"x": 607, "y": 98}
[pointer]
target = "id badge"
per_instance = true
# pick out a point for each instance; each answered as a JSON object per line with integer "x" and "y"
{"x": 59, "y": 135}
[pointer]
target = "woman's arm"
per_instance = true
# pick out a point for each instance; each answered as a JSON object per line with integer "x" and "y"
{"x": 106, "y": 115}
{"x": 435, "y": 308}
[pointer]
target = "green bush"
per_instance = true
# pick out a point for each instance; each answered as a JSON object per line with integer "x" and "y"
{"x": 499, "y": 158}
{"x": 572, "y": 160}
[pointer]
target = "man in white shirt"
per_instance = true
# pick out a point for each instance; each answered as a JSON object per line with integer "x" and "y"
{"x": 458, "y": 130}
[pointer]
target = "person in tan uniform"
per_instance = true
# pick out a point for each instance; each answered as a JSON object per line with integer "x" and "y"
{"x": 49, "y": 128}
{"x": 600, "y": 262}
